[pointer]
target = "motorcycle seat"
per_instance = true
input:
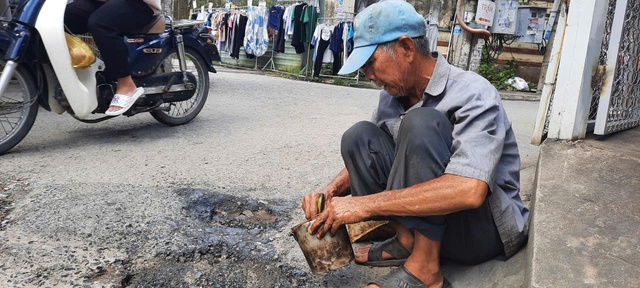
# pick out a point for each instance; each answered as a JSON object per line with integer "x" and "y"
{"x": 156, "y": 26}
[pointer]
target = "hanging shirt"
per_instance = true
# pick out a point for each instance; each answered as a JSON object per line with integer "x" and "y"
{"x": 232, "y": 31}
{"x": 296, "y": 40}
{"x": 238, "y": 34}
{"x": 275, "y": 13}
{"x": 336, "y": 38}
{"x": 249, "y": 36}
{"x": 208, "y": 18}
{"x": 288, "y": 24}
{"x": 309, "y": 19}
{"x": 256, "y": 40}
{"x": 278, "y": 42}
{"x": 322, "y": 32}
{"x": 224, "y": 32}
{"x": 350, "y": 38}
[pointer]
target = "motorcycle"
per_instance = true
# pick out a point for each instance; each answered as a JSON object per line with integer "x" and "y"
{"x": 170, "y": 59}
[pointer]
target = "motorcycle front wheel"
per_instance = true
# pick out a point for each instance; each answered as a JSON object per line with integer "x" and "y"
{"x": 18, "y": 108}
{"x": 178, "y": 113}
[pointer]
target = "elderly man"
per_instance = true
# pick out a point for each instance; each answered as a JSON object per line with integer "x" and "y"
{"x": 439, "y": 158}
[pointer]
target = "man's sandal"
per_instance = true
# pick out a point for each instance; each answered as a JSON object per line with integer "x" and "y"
{"x": 402, "y": 278}
{"x": 124, "y": 102}
{"x": 391, "y": 246}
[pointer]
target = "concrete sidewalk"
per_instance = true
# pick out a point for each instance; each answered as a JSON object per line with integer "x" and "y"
{"x": 585, "y": 228}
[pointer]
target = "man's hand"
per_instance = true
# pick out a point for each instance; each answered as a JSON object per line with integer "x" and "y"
{"x": 338, "y": 187}
{"x": 337, "y": 212}
{"x": 310, "y": 205}
{"x": 310, "y": 201}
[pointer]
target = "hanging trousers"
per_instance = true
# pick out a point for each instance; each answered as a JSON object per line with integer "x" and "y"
{"x": 317, "y": 63}
{"x": 278, "y": 41}
{"x": 238, "y": 36}
{"x": 108, "y": 22}
{"x": 421, "y": 153}
{"x": 337, "y": 62}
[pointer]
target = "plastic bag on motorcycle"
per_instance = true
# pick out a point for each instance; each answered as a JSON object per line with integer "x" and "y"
{"x": 81, "y": 54}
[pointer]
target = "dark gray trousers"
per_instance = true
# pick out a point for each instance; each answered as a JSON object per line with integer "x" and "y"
{"x": 421, "y": 153}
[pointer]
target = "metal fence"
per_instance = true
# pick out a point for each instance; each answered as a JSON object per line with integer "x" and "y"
{"x": 619, "y": 109}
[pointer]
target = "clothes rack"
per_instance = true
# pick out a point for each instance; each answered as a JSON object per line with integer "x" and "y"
{"x": 242, "y": 10}
{"x": 333, "y": 18}
{"x": 342, "y": 18}
{"x": 271, "y": 63}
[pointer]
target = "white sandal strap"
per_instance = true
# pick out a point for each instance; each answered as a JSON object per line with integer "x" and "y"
{"x": 124, "y": 102}
{"x": 120, "y": 100}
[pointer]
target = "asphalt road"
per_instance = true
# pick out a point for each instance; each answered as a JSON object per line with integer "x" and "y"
{"x": 120, "y": 202}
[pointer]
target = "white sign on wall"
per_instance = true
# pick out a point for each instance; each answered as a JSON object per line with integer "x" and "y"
{"x": 485, "y": 12}
{"x": 348, "y": 6}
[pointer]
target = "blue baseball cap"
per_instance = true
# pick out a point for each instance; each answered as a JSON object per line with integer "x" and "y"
{"x": 379, "y": 23}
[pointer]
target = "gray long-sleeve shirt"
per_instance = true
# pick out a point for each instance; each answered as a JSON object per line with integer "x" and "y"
{"x": 484, "y": 146}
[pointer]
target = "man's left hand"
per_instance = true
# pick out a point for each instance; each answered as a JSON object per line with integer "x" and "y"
{"x": 339, "y": 211}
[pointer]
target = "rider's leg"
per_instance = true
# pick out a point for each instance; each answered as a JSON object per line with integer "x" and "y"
{"x": 77, "y": 14}
{"x": 108, "y": 25}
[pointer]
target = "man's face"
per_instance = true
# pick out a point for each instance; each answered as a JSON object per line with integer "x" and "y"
{"x": 386, "y": 71}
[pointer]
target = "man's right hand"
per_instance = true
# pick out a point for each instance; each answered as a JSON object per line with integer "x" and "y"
{"x": 310, "y": 202}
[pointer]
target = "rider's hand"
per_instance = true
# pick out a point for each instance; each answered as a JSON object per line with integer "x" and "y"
{"x": 310, "y": 201}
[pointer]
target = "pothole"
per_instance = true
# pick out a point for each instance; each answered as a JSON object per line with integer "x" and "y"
{"x": 233, "y": 212}
{"x": 234, "y": 249}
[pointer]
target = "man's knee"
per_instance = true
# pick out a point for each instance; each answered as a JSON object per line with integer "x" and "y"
{"x": 357, "y": 135}
{"x": 424, "y": 123}
{"x": 424, "y": 118}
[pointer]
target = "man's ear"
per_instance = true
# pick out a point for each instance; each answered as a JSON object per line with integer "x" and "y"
{"x": 406, "y": 47}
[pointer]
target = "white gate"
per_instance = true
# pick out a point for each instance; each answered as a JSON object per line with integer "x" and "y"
{"x": 617, "y": 92}
{"x": 593, "y": 79}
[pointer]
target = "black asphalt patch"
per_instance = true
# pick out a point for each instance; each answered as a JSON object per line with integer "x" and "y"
{"x": 234, "y": 249}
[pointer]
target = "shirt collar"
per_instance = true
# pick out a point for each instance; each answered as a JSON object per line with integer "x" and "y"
{"x": 439, "y": 77}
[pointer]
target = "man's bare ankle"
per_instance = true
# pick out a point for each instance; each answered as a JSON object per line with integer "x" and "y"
{"x": 406, "y": 240}
{"x": 426, "y": 270}
{"x": 430, "y": 279}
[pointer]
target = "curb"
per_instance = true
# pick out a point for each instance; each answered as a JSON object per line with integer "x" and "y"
{"x": 505, "y": 95}
{"x": 519, "y": 96}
